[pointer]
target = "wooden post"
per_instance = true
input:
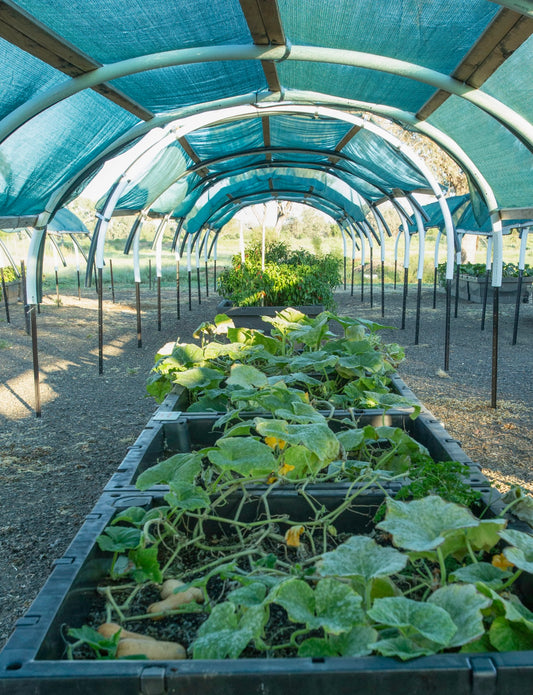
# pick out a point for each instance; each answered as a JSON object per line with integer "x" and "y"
{"x": 4, "y": 292}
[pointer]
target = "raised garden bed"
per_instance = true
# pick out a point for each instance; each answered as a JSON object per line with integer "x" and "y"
{"x": 472, "y": 289}
{"x": 34, "y": 658}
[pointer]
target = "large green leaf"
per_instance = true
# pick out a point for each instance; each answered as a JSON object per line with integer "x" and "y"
{"x": 464, "y": 605}
{"x": 522, "y": 504}
{"x": 180, "y": 467}
{"x": 316, "y": 436}
{"x": 187, "y": 496}
{"x": 250, "y": 595}
{"x": 404, "y": 647}
{"x": 146, "y": 565}
{"x": 119, "y": 538}
{"x": 245, "y": 456}
{"x": 424, "y": 524}
{"x": 227, "y": 632}
{"x": 426, "y": 619}
{"x": 521, "y": 554}
{"x": 246, "y": 376}
{"x": 506, "y": 636}
{"x": 356, "y": 642}
{"x": 198, "y": 377}
{"x": 333, "y": 605}
{"x": 361, "y": 556}
{"x": 482, "y": 572}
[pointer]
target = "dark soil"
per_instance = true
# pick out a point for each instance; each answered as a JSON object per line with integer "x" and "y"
{"x": 53, "y": 468}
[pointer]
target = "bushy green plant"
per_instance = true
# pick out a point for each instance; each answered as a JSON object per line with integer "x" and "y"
{"x": 9, "y": 276}
{"x": 289, "y": 278}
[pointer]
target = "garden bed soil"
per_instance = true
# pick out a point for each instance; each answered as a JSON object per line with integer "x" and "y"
{"x": 54, "y": 468}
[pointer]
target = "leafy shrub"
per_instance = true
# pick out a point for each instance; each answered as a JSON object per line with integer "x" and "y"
{"x": 290, "y": 277}
{"x": 9, "y": 276}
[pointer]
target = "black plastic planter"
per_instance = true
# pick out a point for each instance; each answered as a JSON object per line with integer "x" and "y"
{"x": 250, "y": 316}
{"x": 170, "y": 431}
{"x": 32, "y": 661}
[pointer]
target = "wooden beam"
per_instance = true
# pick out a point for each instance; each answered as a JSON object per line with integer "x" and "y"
{"x": 22, "y": 30}
{"x": 501, "y": 38}
{"x": 346, "y": 139}
{"x": 192, "y": 154}
{"x": 264, "y": 23}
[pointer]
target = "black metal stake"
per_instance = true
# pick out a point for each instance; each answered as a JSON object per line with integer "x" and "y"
{"x": 456, "y": 306}
{"x": 447, "y": 325}
{"x": 178, "y": 310}
{"x": 35, "y": 354}
{"x": 517, "y": 306}
{"x": 100, "y": 294}
{"x": 383, "y": 288}
{"x": 344, "y": 272}
{"x": 25, "y": 296}
{"x": 362, "y": 282}
{"x": 198, "y": 284}
{"x": 404, "y": 301}
{"x": 206, "y": 280}
{"x": 495, "y": 321}
{"x": 112, "y": 280}
{"x": 485, "y": 296}
{"x": 79, "y": 284}
{"x": 371, "y": 279}
{"x": 418, "y": 302}
{"x": 353, "y": 274}
{"x": 149, "y": 273}
{"x": 215, "y": 274}
{"x": 435, "y": 273}
{"x": 395, "y": 272}
{"x": 4, "y": 292}
{"x": 158, "y": 303}
{"x": 138, "y": 309}
{"x": 190, "y": 289}
{"x": 57, "y": 289}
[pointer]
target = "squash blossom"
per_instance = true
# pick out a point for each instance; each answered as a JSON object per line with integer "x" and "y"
{"x": 501, "y": 562}
{"x": 274, "y": 442}
{"x": 286, "y": 468}
{"x": 292, "y": 536}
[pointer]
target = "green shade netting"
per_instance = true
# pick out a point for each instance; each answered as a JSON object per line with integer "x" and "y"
{"x": 292, "y": 181}
{"x": 66, "y": 221}
{"x": 22, "y": 76}
{"x": 433, "y": 211}
{"x": 51, "y": 148}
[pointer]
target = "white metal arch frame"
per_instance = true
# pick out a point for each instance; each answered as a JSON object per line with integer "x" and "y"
{"x": 518, "y": 125}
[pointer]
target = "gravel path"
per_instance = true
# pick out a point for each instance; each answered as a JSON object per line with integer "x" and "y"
{"x": 53, "y": 468}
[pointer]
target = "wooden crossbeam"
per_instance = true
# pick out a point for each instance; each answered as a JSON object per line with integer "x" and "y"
{"x": 501, "y": 38}
{"x": 192, "y": 154}
{"x": 22, "y": 30}
{"x": 264, "y": 23}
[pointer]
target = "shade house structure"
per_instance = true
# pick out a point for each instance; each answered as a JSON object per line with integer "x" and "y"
{"x": 254, "y": 100}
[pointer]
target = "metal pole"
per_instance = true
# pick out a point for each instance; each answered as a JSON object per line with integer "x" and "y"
{"x": 447, "y": 325}
{"x": 112, "y": 280}
{"x": 456, "y": 290}
{"x": 158, "y": 302}
{"x": 100, "y": 293}
{"x": 138, "y": 309}
{"x": 25, "y": 296}
{"x": 383, "y": 288}
{"x": 404, "y": 299}
{"x": 517, "y": 306}
{"x": 215, "y": 273}
{"x": 149, "y": 273}
{"x": 57, "y": 288}
{"x": 190, "y": 289}
{"x": 418, "y": 302}
{"x": 79, "y": 283}
{"x": 35, "y": 355}
{"x": 4, "y": 292}
{"x": 344, "y": 259}
{"x": 435, "y": 273}
{"x": 206, "y": 280}
{"x": 495, "y": 319}
{"x": 198, "y": 284}
{"x": 371, "y": 280}
{"x": 353, "y": 273}
{"x": 178, "y": 289}
{"x": 362, "y": 282}
{"x": 395, "y": 271}
{"x": 485, "y": 295}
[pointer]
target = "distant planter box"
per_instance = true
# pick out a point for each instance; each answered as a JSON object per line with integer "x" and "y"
{"x": 250, "y": 316}
{"x": 472, "y": 289}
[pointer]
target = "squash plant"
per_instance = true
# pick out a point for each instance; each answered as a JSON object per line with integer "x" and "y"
{"x": 432, "y": 577}
{"x": 341, "y": 371}
{"x": 289, "y": 277}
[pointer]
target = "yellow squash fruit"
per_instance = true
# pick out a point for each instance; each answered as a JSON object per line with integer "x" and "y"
{"x": 107, "y": 630}
{"x": 151, "y": 649}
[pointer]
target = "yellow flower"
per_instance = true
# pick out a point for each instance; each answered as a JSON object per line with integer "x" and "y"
{"x": 271, "y": 479}
{"x": 286, "y": 468}
{"x": 292, "y": 536}
{"x": 274, "y": 442}
{"x": 501, "y": 561}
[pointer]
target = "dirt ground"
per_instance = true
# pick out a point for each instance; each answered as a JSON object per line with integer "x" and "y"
{"x": 53, "y": 468}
